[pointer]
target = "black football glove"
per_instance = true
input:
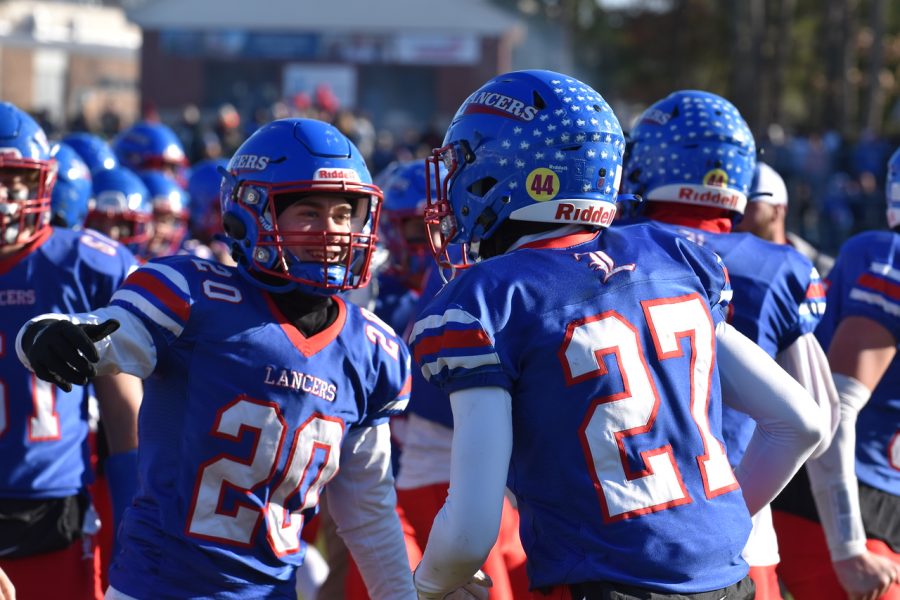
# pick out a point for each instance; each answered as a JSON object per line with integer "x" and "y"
{"x": 63, "y": 353}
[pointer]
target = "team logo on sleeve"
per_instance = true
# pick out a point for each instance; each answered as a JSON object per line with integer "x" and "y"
{"x": 601, "y": 261}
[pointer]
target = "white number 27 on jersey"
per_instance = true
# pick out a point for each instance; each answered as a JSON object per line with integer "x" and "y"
{"x": 658, "y": 485}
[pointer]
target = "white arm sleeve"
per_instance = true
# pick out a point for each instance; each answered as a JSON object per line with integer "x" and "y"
{"x": 832, "y": 477}
{"x": 805, "y": 361}
{"x": 466, "y": 528}
{"x": 129, "y": 349}
{"x": 362, "y": 502}
{"x": 787, "y": 423}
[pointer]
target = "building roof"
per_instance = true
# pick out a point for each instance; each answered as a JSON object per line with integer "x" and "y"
{"x": 371, "y": 16}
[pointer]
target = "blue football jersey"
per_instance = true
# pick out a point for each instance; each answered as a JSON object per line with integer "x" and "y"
{"x": 395, "y": 303}
{"x": 43, "y": 428}
{"x": 865, "y": 282}
{"x": 241, "y": 427}
{"x": 778, "y": 296}
{"x": 427, "y": 400}
{"x": 606, "y": 343}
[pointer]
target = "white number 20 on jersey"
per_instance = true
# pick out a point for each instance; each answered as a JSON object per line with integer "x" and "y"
{"x": 658, "y": 485}
{"x": 318, "y": 437}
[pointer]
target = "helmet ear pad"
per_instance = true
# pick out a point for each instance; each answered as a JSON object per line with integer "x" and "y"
{"x": 242, "y": 227}
{"x": 234, "y": 226}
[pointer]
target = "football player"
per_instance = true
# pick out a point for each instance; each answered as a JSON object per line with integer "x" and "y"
{"x": 692, "y": 159}
{"x": 171, "y": 212}
{"x": 423, "y": 474}
{"x": 72, "y": 191}
{"x": 590, "y": 358}
{"x": 121, "y": 209}
{"x": 205, "y": 221}
{"x": 764, "y": 216}
{"x": 92, "y": 149}
{"x": 852, "y": 492}
{"x": 151, "y": 146}
{"x": 47, "y": 527}
{"x": 260, "y": 382}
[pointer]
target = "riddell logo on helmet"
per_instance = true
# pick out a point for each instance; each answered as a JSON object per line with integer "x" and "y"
{"x": 493, "y": 103}
{"x": 723, "y": 199}
{"x": 570, "y": 213}
{"x": 327, "y": 174}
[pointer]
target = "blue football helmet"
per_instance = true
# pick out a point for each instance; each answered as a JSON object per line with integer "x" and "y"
{"x": 171, "y": 211}
{"x": 92, "y": 149}
{"x": 402, "y": 227}
{"x": 529, "y": 146}
{"x": 121, "y": 208}
{"x": 892, "y": 190}
{"x": 149, "y": 146}
{"x": 72, "y": 191}
{"x": 274, "y": 168}
{"x": 692, "y": 147}
{"x": 27, "y": 175}
{"x": 203, "y": 187}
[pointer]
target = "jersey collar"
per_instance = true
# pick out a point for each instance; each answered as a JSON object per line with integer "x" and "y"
{"x": 308, "y": 346}
{"x": 7, "y": 263}
{"x": 563, "y": 237}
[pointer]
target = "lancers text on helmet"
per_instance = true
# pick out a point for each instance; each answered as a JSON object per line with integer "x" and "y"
{"x": 569, "y": 213}
{"x": 500, "y": 104}
{"x": 250, "y": 162}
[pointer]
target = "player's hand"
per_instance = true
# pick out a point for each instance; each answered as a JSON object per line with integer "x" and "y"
{"x": 7, "y": 590}
{"x": 63, "y": 353}
{"x": 867, "y": 576}
{"x": 476, "y": 588}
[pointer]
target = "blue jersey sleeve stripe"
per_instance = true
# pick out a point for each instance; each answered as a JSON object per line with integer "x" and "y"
{"x": 453, "y": 315}
{"x": 875, "y": 299}
{"x": 454, "y": 363}
{"x": 171, "y": 277}
{"x": 148, "y": 310}
{"x": 148, "y": 284}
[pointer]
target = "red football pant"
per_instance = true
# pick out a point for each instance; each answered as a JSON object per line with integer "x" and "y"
{"x": 806, "y": 565}
{"x": 68, "y": 573}
{"x": 417, "y": 509}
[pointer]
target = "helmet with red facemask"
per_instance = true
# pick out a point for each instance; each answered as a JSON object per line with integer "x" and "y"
{"x": 121, "y": 208}
{"x": 279, "y": 165}
{"x": 402, "y": 227}
{"x": 150, "y": 146}
{"x": 171, "y": 210}
{"x": 27, "y": 175}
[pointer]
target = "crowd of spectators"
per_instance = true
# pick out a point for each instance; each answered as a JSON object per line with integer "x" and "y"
{"x": 835, "y": 184}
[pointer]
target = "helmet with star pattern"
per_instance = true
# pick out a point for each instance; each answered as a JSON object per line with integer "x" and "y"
{"x": 692, "y": 147}
{"x": 532, "y": 146}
